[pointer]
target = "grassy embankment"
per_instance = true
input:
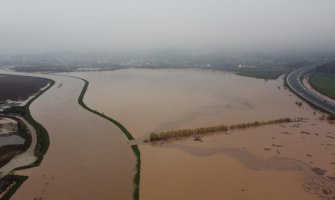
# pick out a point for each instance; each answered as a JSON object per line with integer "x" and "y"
{"x": 17, "y": 180}
{"x": 184, "y": 133}
{"x": 261, "y": 73}
{"x": 135, "y": 148}
{"x": 42, "y": 138}
{"x": 324, "y": 83}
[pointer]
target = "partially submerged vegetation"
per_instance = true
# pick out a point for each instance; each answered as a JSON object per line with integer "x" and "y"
{"x": 13, "y": 182}
{"x": 324, "y": 83}
{"x": 183, "y": 133}
{"x": 137, "y": 176}
{"x": 331, "y": 117}
{"x": 262, "y": 73}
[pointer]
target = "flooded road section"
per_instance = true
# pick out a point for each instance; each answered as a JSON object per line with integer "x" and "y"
{"x": 88, "y": 157}
{"x": 283, "y": 161}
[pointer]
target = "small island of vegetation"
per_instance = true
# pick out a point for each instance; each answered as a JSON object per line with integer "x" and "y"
{"x": 184, "y": 133}
{"x": 261, "y": 72}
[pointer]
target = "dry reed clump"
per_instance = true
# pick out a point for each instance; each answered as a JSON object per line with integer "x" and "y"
{"x": 182, "y": 133}
{"x": 331, "y": 117}
{"x": 298, "y": 103}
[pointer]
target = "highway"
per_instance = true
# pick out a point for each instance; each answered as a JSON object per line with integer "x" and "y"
{"x": 294, "y": 82}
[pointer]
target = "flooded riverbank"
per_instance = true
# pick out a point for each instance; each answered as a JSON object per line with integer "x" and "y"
{"x": 88, "y": 157}
{"x": 237, "y": 165}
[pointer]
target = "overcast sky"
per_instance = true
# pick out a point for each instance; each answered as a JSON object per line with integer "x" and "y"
{"x": 36, "y": 26}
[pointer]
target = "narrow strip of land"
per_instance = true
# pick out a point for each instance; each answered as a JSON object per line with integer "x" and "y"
{"x": 135, "y": 148}
{"x": 198, "y": 132}
{"x": 88, "y": 157}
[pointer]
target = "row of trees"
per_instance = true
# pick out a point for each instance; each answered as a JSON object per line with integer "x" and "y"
{"x": 182, "y": 133}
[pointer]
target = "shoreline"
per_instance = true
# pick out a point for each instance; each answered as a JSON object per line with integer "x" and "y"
{"x": 135, "y": 149}
{"x": 42, "y": 138}
{"x": 45, "y": 140}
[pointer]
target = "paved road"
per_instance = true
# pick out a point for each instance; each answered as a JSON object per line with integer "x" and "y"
{"x": 294, "y": 81}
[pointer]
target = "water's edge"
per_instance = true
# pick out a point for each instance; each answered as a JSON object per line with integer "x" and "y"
{"x": 135, "y": 149}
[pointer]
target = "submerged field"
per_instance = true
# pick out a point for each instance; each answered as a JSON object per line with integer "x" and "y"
{"x": 17, "y": 88}
{"x": 297, "y": 158}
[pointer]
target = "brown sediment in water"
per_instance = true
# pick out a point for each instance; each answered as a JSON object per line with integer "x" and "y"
{"x": 147, "y": 101}
{"x": 286, "y": 156}
{"x": 88, "y": 157}
{"x": 213, "y": 177}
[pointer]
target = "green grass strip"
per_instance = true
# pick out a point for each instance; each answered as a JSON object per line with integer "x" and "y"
{"x": 81, "y": 102}
{"x": 324, "y": 83}
{"x": 136, "y": 180}
{"x": 137, "y": 176}
{"x": 18, "y": 182}
{"x": 261, "y": 73}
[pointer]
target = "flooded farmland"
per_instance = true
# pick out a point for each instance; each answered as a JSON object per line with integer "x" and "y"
{"x": 283, "y": 161}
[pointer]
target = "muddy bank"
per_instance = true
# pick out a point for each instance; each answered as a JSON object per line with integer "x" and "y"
{"x": 88, "y": 157}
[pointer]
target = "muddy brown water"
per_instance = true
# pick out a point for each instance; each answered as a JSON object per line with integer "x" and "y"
{"x": 271, "y": 162}
{"x": 88, "y": 157}
{"x": 169, "y": 98}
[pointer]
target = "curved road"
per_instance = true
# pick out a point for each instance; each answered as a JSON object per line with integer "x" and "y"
{"x": 294, "y": 81}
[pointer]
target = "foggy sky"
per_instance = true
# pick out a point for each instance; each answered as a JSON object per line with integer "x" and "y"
{"x": 37, "y": 26}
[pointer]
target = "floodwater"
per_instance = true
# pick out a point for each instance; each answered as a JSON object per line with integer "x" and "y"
{"x": 168, "y": 99}
{"x": 9, "y": 140}
{"x": 285, "y": 161}
{"x": 88, "y": 157}
{"x": 7, "y": 131}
